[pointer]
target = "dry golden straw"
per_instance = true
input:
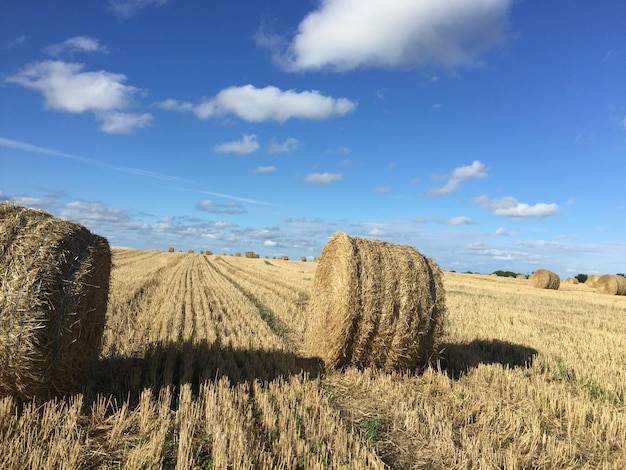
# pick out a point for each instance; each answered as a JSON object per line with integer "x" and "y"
{"x": 570, "y": 280}
{"x": 375, "y": 303}
{"x": 544, "y": 279}
{"x": 54, "y": 284}
{"x": 611, "y": 284}
{"x": 592, "y": 280}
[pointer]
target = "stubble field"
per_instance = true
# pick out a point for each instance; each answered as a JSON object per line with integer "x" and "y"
{"x": 202, "y": 367}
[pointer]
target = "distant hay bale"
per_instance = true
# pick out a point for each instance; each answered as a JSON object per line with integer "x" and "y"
{"x": 303, "y": 258}
{"x": 520, "y": 276}
{"x": 54, "y": 285}
{"x": 208, "y": 252}
{"x": 611, "y": 284}
{"x": 238, "y": 255}
{"x": 190, "y": 251}
{"x": 544, "y": 279}
{"x": 592, "y": 280}
{"x": 570, "y": 280}
{"x": 285, "y": 258}
{"x": 375, "y": 304}
{"x": 170, "y": 249}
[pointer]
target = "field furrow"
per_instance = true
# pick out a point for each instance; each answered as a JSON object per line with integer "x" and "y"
{"x": 201, "y": 367}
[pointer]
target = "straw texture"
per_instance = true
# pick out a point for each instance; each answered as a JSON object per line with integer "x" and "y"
{"x": 53, "y": 296}
{"x": 611, "y": 284}
{"x": 375, "y": 304}
{"x": 544, "y": 279}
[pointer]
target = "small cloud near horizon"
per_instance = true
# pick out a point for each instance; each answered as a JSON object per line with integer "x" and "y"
{"x": 511, "y": 207}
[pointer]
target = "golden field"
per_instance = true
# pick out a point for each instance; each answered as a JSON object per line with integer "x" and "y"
{"x": 202, "y": 367}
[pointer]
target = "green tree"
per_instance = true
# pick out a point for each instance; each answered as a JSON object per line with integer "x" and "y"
{"x": 581, "y": 278}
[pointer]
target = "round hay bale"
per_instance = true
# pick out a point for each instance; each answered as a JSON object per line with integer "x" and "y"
{"x": 592, "y": 280}
{"x": 544, "y": 279}
{"x": 170, "y": 249}
{"x": 303, "y": 259}
{"x": 570, "y": 280}
{"x": 611, "y": 284}
{"x": 375, "y": 304}
{"x": 54, "y": 285}
{"x": 520, "y": 276}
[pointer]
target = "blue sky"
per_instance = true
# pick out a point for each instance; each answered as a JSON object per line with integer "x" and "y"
{"x": 488, "y": 134}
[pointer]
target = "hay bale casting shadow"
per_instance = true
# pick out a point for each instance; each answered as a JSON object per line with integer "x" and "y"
{"x": 611, "y": 284}
{"x": 459, "y": 359}
{"x": 187, "y": 362}
{"x": 544, "y": 279}
{"x": 375, "y": 304}
{"x": 54, "y": 284}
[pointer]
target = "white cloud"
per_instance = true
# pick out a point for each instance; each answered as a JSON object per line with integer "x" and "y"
{"x": 289, "y": 145}
{"x": 174, "y": 105}
{"x": 124, "y": 9}
{"x": 76, "y": 44}
{"x": 323, "y": 178}
{"x": 376, "y": 232}
{"x": 10, "y": 44}
{"x": 381, "y": 190}
{"x": 503, "y": 255}
{"x": 246, "y": 145}
{"x": 348, "y": 34}
{"x": 27, "y": 201}
{"x": 66, "y": 88}
{"x": 270, "y": 243}
{"x": 232, "y": 208}
{"x": 123, "y": 123}
{"x": 272, "y": 104}
{"x": 511, "y": 207}
{"x": 537, "y": 243}
{"x": 459, "y": 220}
{"x": 265, "y": 169}
{"x": 89, "y": 212}
{"x": 502, "y": 232}
{"x": 460, "y": 174}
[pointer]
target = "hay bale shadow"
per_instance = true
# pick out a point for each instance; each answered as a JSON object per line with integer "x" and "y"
{"x": 459, "y": 359}
{"x": 172, "y": 364}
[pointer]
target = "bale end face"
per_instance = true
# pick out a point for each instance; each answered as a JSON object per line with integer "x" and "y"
{"x": 544, "y": 279}
{"x": 611, "y": 284}
{"x": 53, "y": 299}
{"x": 375, "y": 304}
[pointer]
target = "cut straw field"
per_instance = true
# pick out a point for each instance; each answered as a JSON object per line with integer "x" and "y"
{"x": 203, "y": 366}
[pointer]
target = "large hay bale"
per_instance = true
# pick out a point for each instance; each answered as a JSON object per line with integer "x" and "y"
{"x": 612, "y": 284}
{"x": 544, "y": 279}
{"x": 592, "y": 280}
{"x": 54, "y": 285}
{"x": 375, "y": 304}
